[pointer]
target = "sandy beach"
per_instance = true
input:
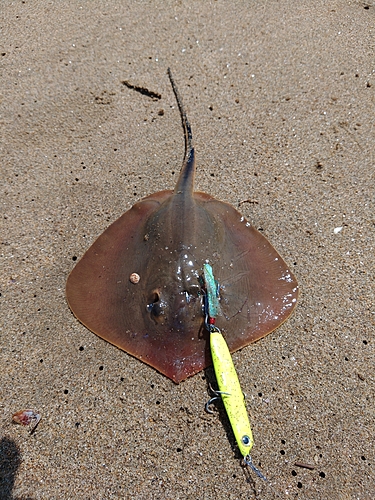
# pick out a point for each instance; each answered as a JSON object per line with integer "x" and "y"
{"x": 281, "y": 100}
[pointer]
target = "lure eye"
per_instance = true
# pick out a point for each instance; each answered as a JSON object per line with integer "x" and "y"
{"x": 246, "y": 440}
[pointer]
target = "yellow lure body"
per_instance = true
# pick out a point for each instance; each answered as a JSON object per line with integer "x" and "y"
{"x": 230, "y": 391}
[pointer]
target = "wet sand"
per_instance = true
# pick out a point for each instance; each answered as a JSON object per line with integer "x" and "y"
{"x": 280, "y": 96}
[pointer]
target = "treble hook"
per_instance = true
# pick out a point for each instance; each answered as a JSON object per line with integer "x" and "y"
{"x": 217, "y": 395}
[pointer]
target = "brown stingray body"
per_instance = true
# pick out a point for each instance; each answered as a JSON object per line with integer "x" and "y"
{"x": 165, "y": 239}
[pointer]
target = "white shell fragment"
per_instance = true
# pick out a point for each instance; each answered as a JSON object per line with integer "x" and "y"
{"x": 25, "y": 417}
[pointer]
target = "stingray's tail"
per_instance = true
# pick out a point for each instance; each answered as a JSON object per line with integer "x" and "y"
{"x": 186, "y": 179}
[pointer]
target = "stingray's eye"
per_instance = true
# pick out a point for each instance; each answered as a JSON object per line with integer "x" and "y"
{"x": 192, "y": 293}
{"x": 153, "y": 300}
{"x": 156, "y": 306}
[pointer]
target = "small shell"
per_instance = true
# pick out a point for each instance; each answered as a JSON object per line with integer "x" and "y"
{"x": 25, "y": 417}
{"x": 134, "y": 278}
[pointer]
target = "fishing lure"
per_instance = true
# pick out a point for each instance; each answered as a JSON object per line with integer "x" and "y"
{"x": 212, "y": 292}
{"x": 226, "y": 375}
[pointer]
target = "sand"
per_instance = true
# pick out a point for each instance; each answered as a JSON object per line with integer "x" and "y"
{"x": 281, "y": 100}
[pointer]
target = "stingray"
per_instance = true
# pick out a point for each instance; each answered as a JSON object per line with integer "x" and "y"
{"x": 139, "y": 286}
